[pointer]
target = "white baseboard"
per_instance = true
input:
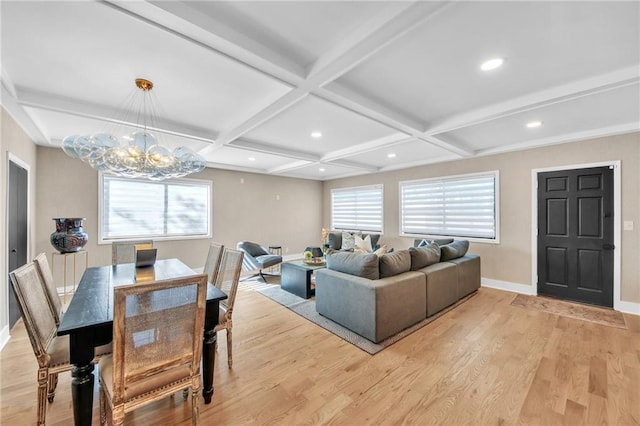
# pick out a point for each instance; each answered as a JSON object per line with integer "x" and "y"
{"x": 508, "y": 286}
{"x": 4, "y": 337}
{"x": 627, "y": 307}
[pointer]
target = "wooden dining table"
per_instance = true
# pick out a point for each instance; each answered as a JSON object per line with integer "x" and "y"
{"x": 88, "y": 321}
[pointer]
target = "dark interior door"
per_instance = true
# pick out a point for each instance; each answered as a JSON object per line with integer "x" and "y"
{"x": 575, "y": 235}
{"x": 17, "y": 229}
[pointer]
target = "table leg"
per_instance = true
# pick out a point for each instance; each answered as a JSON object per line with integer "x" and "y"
{"x": 209, "y": 349}
{"x": 81, "y": 352}
{"x": 82, "y": 394}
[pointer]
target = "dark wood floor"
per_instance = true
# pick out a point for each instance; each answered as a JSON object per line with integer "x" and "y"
{"x": 485, "y": 362}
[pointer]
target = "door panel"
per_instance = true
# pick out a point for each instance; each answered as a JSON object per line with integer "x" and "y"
{"x": 17, "y": 235}
{"x": 575, "y": 235}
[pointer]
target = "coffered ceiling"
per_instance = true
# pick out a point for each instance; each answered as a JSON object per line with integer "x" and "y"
{"x": 387, "y": 84}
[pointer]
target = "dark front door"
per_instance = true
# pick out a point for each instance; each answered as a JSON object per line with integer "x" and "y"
{"x": 575, "y": 235}
{"x": 17, "y": 229}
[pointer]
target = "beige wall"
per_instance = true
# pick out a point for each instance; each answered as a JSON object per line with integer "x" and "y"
{"x": 245, "y": 207}
{"x": 510, "y": 260}
{"x": 13, "y": 140}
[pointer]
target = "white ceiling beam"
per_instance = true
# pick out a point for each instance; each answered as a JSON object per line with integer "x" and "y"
{"x": 289, "y": 166}
{"x": 19, "y": 114}
{"x": 457, "y": 149}
{"x": 354, "y": 165}
{"x": 634, "y": 126}
{"x": 577, "y": 89}
{"x": 274, "y": 150}
{"x": 362, "y": 148}
{"x": 257, "y": 119}
{"x": 77, "y": 108}
{"x": 183, "y": 20}
{"x": 370, "y": 39}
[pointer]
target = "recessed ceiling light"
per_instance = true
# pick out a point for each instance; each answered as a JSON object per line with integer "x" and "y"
{"x": 492, "y": 64}
{"x": 534, "y": 124}
{"x": 252, "y": 158}
{"x": 316, "y": 135}
{"x": 391, "y": 155}
{"x": 321, "y": 169}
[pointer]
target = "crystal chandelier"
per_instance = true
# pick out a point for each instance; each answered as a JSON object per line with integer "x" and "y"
{"x": 140, "y": 155}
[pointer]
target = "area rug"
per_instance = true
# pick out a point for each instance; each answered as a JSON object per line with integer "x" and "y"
{"x": 306, "y": 308}
{"x": 593, "y": 314}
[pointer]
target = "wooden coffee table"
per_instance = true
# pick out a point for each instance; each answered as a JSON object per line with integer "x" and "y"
{"x": 296, "y": 278}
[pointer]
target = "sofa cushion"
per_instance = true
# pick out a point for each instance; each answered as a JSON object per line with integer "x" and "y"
{"x": 381, "y": 250}
{"x": 454, "y": 250}
{"x": 424, "y": 256}
{"x": 361, "y": 265}
{"x": 395, "y": 263}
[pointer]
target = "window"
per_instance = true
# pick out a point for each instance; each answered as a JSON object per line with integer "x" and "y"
{"x": 357, "y": 208}
{"x": 134, "y": 208}
{"x": 457, "y": 206}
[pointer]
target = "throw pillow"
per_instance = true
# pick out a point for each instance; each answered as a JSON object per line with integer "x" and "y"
{"x": 421, "y": 257}
{"x": 454, "y": 250}
{"x": 365, "y": 266}
{"x": 380, "y": 251}
{"x": 395, "y": 263}
{"x": 363, "y": 243}
{"x": 360, "y": 250}
{"x": 423, "y": 243}
{"x": 348, "y": 241}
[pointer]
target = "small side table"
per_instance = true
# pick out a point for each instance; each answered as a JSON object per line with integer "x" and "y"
{"x": 69, "y": 259}
{"x": 275, "y": 250}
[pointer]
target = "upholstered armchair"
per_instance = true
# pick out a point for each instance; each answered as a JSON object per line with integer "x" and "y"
{"x": 257, "y": 257}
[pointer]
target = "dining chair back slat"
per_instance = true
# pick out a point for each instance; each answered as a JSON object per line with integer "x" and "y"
{"x": 42, "y": 265}
{"x": 214, "y": 257}
{"x": 35, "y": 308}
{"x": 125, "y": 252}
{"x": 227, "y": 281}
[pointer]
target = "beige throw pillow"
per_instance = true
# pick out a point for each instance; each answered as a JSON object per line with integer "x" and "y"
{"x": 382, "y": 250}
{"x": 363, "y": 243}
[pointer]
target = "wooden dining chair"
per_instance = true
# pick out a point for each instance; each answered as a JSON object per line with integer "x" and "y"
{"x": 51, "y": 351}
{"x": 157, "y": 345}
{"x": 227, "y": 281}
{"x": 212, "y": 265}
{"x": 125, "y": 251}
{"x": 46, "y": 277}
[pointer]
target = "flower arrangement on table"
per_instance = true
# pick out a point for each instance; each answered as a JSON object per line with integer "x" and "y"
{"x": 325, "y": 240}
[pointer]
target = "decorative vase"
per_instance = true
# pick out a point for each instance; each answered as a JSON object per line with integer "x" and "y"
{"x": 69, "y": 236}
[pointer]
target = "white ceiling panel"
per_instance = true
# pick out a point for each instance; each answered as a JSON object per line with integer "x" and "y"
{"x": 607, "y": 109}
{"x": 340, "y": 128}
{"x": 434, "y": 71}
{"x": 410, "y": 152}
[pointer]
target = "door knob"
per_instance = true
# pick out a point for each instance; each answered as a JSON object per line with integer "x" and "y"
{"x": 14, "y": 250}
{"x": 608, "y": 246}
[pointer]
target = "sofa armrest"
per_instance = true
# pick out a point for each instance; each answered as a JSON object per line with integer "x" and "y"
{"x": 374, "y": 309}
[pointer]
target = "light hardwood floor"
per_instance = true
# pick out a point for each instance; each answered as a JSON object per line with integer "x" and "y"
{"x": 485, "y": 362}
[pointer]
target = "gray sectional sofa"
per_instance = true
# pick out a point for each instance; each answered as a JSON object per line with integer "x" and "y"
{"x": 376, "y": 297}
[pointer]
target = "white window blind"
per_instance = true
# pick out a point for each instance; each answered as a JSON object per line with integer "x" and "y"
{"x": 462, "y": 206}
{"x": 357, "y": 208}
{"x": 133, "y": 208}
